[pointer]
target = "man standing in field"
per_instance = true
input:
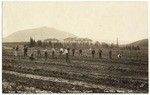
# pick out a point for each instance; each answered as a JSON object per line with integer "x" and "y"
{"x": 80, "y": 52}
{"x": 39, "y": 52}
{"x": 25, "y": 50}
{"x": 45, "y": 53}
{"x": 110, "y": 54}
{"x": 53, "y": 52}
{"x": 61, "y": 51}
{"x": 68, "y": 50}
{"x": 31, "y": 57}
{"x": 67, "y": 55}
{"x": 100, "y": 53}
{"x": 16, "y": 51}
{"x": 73, "y": 51}
{"x": 93, "y": 53}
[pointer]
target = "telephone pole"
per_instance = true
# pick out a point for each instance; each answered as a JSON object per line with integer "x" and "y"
{"x": 117, "y": 44}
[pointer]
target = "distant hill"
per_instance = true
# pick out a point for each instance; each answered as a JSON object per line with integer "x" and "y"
{"x": 141, "y": 43}
{"x": 40, "y": 33}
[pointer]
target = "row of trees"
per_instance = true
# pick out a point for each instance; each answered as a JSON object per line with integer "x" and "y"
{"x": 97, "y": 44}
{"x": 132, "y": 47}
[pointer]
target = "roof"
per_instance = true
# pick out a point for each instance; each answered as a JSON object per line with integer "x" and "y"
{"x": 77, "y": 39}
{"x": 51, "y": 39}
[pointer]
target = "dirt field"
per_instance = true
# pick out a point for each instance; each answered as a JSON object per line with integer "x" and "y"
{"x": 82, "y": 75}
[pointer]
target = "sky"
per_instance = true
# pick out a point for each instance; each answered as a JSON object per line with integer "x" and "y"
{"x": 102, "y": 21}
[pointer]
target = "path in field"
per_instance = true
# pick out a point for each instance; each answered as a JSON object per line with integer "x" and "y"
{"x": 6, "y": 47}
{"x": 53, "y": 79}
{"x": 11, "y": 85}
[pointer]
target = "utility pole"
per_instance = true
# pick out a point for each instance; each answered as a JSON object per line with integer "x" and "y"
{"x": 117, "y": 44}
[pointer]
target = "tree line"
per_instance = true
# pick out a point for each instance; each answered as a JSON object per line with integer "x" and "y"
{"x": 85, "y": 45}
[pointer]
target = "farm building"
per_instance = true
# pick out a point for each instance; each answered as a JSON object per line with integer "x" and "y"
{"x": 54, "y": 40}
{"x": 77, "y": 40}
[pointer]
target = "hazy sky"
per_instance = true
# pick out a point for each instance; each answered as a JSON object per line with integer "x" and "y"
{"x": 97, "y": 20}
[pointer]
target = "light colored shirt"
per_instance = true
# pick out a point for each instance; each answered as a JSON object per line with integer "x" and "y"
{"x": 119, "y": 55}
{"x": 61, "y": 49}
{"x": 53, "y": 49}
{"x": 45, "y": 50}
{"x": 66, "y": 51}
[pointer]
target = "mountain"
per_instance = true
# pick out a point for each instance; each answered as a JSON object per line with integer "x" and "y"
{"x": 40, "y": 33}
{"x": 141, "y": 43}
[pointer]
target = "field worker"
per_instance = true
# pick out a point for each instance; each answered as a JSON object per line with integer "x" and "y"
{"x": 53, "y": 52}
{"x": 39, "y": 52}
{"x": 100, "y": 53}
{"x": 16, "y": 51}
{"x": 110, "y": 54}
{"x": 67, "y": 55}
{"x": 80, "y": 52}
{"x": 31, "y": 57}
{"x": 90, "y": 50}
{"x": 68, "y": 50}
{"x": 13, "y": 48}
{"x": 119, "y": 56}
{"x": 25, "y": 51}
{"x": 73, "y": 52}
{"x": 45, "y": 53}
{"x": 61, "y": 51}
{"x": 93, "y": 53}
{"x": 138, "y": 52}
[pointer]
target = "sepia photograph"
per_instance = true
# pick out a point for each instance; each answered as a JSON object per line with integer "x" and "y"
{"x": 74, "y": 47}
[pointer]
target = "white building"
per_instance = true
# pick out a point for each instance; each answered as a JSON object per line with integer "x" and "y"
{"x": 53, "y": 40}
{"x": 77, "y": 40}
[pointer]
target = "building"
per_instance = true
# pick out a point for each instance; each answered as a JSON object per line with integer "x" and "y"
{"x": 77, "y": 40}
{"x": 53, "y": 40}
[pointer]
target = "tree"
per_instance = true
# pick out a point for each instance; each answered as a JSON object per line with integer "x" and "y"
{"x": 31, "y": 44}
{"x": 44, "y": 44}
{"x": 105, "y": 45}
{"x": 39, "y": 43}
{"x": 97, "y": 44}
{"x": 50, "y": 44}
{"x": 137, "y": 48}
{"x": 129, "y": 47}
{"x": 133, "y": 47}
{"x": 112, "y": 45}
{"x": 74, "y": 45}
{"x": 34, "y": 43}
{"x": 60, "y": 45}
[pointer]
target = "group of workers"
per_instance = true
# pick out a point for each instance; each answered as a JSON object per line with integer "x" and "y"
{"x": 62, "y": 51}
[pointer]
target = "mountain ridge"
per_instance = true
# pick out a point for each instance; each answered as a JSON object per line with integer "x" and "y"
{"x": 142, "y": 43}
{"x": 39, "y": 33}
